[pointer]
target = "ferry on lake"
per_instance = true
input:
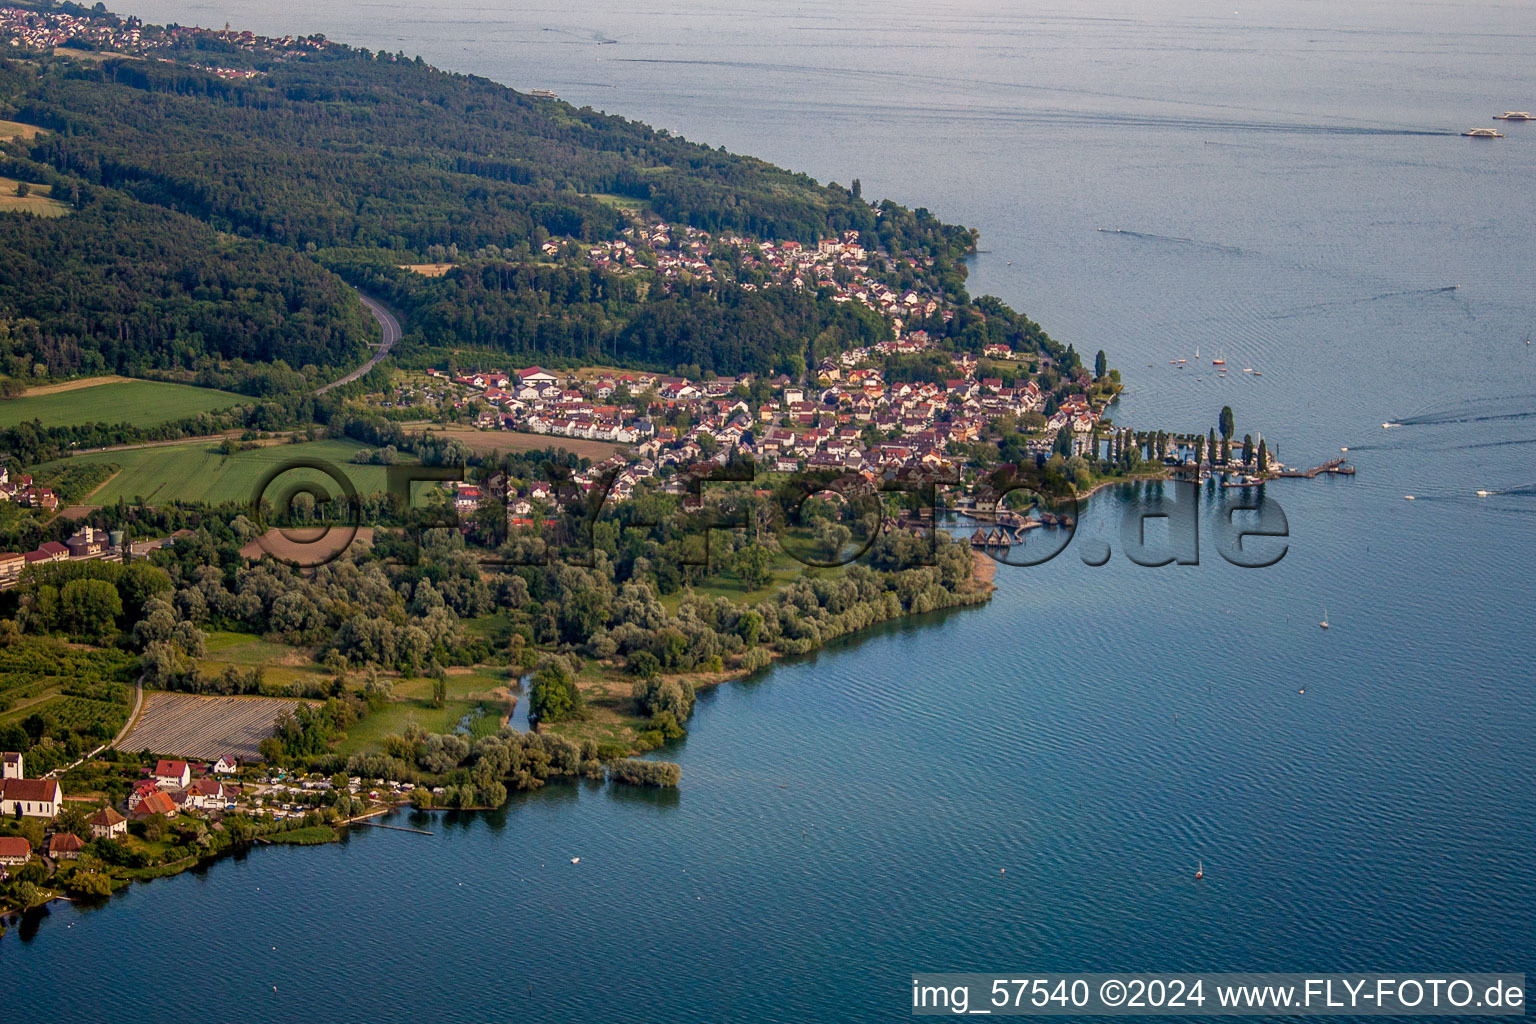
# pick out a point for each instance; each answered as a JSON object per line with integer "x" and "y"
{"x": 1514, "y": 115}
{"x": 1483, "y": 133}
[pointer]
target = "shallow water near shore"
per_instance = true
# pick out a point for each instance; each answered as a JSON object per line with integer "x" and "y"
{"x": 1285, "y": 187}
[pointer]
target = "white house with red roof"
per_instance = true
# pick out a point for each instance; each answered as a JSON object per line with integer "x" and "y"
{"x": 537, "y": 376}
{"x": 172, "y": 774}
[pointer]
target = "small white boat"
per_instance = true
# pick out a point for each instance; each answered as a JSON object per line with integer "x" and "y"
{"x": 1483, "y": 494}
{"x": 1515, "y": 115}
{"x": 1408, "y": 497}
{"x": 1389, "y": 425}
{"x": 1483, "y": 133}
{"x": 1199, "y": 870}
{"x": 1324, "y": 623}
{"x": 575, "y": 860}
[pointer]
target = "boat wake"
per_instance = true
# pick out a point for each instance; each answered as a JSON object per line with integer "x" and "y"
{"x": 1316, "y": 307}
{"x": 1474, "y": 446}
{"x": 1230, "y": 250}
{"x": 1504, "y": 407}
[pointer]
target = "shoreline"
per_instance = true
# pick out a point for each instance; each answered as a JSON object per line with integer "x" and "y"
{"x": 983, "y": 569}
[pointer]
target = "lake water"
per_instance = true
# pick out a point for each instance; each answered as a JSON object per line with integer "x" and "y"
{"x": 1291, "y": 192}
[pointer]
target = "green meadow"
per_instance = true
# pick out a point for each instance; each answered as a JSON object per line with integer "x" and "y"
{"x": 199, "y": 473}
{"x": 142, "y": 403}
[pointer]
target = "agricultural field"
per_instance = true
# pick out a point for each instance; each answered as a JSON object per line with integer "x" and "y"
{"x": 10, "y": 130}
{"x": 68, "y": 689}
{"x": 184, "y": 725}
{"x": 142, "y": 403}
{"x": 308, "y": 545}
{"x": 482, "y": 441}
{"x": 39, "y": 200}
{"x": 198, "y": 472}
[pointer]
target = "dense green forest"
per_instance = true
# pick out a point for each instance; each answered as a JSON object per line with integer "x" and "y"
{"x": 121, "y": 287}
{"x": 573, "y": 315}
{"x": 351, "y": 149}
{"x": 198, "y": 201}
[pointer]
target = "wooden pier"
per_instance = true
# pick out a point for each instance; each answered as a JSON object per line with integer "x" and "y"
{"x": 393, "y": 828}
{"x": 1338, "y": 467}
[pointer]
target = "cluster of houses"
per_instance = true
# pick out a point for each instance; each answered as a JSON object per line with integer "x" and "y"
{"x": 24, "y": 493}
{"x": 21, "y": 797}
{"x": 42, "y": 30}
{"x": 850, "y": 420}
{"x": 848, "y": 417}
{"x": 172, "y": 788}
{"x": 33, "y": 31}
{"x": 84, "y": 544}
{"x": 540, "y": 402}
{"x": 842, "y": 263}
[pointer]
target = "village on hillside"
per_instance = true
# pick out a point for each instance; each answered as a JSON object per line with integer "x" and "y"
{"x": 847, "y": 414}
{"x": 29, "y": 31}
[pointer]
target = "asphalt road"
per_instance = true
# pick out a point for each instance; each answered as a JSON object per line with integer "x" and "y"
{"x": 391, "y": 328}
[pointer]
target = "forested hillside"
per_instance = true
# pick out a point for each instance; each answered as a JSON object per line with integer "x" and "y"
{"x": 215, "y": 214}
{"x": 120, "y": 287}
{"x": 350, "y": 149}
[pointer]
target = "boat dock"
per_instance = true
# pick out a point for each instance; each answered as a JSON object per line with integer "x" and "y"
{"x": 1338, "y": 467}
{"x": 1011, "y": 527}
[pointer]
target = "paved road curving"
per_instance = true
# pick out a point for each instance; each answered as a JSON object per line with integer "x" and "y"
{"x": 391, "y": 329}
{"x": 133, "y": 716}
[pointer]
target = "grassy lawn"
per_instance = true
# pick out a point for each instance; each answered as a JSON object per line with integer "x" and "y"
{"x": 40, "y": 201}
{"x": 619, "y": 202}
{"x": 247, "y": 649}
{"x": 199, "y": 473}
{"x": 485, "y": 441}
{"x": 481, "y": 688}
{"x": 311, "y": 836}
{"x": 495, "y": 627}
{"x": 142, "y": 403}
{"x": 280, "y": 664}
{"x": 480, "y": 683}
{"x": 368, "y": 735}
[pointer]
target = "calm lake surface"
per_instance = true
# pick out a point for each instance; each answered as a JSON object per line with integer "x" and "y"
{"x": 1290, "y": 190}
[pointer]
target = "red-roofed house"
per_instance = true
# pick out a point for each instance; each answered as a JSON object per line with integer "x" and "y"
{"x": 140, "y": 791}
{"x": 207, "y": 794}
{"x": 155, "y": 803}
{"x": 108, "y": 824}
{"x": 173, "y": 774}
{"x": 65, "y": 846}
{"x": 14, "y": 850}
